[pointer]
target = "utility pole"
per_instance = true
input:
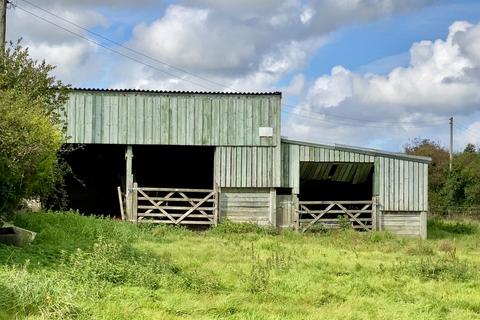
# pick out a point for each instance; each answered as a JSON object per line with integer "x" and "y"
{"x": 451, "y": 143}
{"x": 3, "y": 24}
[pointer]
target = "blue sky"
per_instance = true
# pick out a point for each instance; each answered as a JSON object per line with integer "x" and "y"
{"x": 337, "y": 62}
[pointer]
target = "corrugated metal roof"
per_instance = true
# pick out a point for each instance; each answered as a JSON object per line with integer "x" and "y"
{"x": 177, "y": 92}
{"x": 369, "y": 151}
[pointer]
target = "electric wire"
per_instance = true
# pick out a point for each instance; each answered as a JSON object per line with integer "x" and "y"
{"x": 96, "y": 34}
{"x": 112, "y": 50}
{"x": 296, "y": 113}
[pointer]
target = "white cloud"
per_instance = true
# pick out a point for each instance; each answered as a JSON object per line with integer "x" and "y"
{"x": 441, "y": 80}
{"x": 247, "y": 45}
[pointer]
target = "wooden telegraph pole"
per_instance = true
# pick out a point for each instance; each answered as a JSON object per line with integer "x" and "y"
{"x": 3, "y": 24}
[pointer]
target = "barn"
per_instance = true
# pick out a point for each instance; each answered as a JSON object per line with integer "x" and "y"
{"x": 200, "y": 157}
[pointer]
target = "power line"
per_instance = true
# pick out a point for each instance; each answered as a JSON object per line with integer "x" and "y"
{"x": 347, "y": 124}
{"x": 110, "y": 49}
{"x": 386, "y": 126}
{"x": 399, "y": 124}
{"x": 128, "y": 48}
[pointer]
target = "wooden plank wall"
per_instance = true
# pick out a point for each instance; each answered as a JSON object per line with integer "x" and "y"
{"x": 172, "y": 119}
{"x": 410, "y": 224}
{"x": 402, "y": 185}
{"x": 247, "y": 167}
{"x": 245, "y": 205}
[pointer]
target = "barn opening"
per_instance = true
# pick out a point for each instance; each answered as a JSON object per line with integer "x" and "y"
{"x": 96, "y": 172}
{"x": 334, "y": 192}
{"x": 336, "y": 181}
{"x": 175, "y": 184}
{"x": 98, "y": 169}
{"x": 173, "y": 166}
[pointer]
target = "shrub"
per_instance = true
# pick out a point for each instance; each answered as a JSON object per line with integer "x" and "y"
{"x": 30, "y": 127}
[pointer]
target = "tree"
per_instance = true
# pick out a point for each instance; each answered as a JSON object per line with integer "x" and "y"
{"x": 31, "y": 127}
{"x": 470, "y": 148}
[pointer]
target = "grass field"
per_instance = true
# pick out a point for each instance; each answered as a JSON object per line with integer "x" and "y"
{"x": 90, "y": 268}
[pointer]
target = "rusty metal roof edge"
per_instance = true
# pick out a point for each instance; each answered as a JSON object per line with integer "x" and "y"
{"x": 176, "y": 91}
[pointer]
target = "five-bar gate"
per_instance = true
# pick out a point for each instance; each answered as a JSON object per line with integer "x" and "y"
{"x": 330, "y": 214}
{"x": 174, "y": 206}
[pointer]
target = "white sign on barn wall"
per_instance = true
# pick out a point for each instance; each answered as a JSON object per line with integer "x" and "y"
{"x": 265, "y": 132}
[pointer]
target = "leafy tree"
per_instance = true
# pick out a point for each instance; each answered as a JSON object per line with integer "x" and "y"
{"x": 462, "y": 187}
{"x": 31, "y": 128}
{"x": 470, "y": 148}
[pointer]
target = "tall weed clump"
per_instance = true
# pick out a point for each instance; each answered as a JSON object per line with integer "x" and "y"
{"x": 116, "y": 263}
{"x": 38, "y": 294}
{"x": 438, "y": 268}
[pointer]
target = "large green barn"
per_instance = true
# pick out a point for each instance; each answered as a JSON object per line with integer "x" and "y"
{"x": 200, "y": 157}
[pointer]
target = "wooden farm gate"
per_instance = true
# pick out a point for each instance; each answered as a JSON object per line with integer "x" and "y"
{"x": 359, "y": 215}
{"x": 174, "y": 206}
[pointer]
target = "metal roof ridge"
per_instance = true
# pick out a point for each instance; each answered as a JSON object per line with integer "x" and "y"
{"x": 371, "y": 151}
{"x": 176, "y": 91}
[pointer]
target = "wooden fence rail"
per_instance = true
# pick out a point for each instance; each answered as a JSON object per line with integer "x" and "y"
{"x": 360, "y": 214}
{"x": 174, "y": 206}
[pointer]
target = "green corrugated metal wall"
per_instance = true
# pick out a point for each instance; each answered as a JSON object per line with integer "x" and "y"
{"x": 402, "y": 184}
{"x": 170, "y": 118}
{"x": 247, "y": 167}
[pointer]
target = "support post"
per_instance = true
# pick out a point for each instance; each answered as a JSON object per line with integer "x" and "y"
{"x": 273, "y": 207}
{"x": 296, "y": 216}
{"x": 129, "y": 183}
{"x": 216, "y": 197}
{"x": 423, "y": 225}
{"x": 374, "y": 213}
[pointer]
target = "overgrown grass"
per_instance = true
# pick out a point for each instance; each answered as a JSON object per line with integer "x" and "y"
{"x": 93, "y": 268}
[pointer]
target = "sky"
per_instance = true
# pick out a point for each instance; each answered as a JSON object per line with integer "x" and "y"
{"x": 369, "y": 73}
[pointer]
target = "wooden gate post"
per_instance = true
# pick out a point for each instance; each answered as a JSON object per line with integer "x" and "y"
{"x": 135, "y": 203}
{"x": 216, "y": 199}
{"x": 374, "y": 213}
{"x": 296, "y": 214}
{"x": 129, "y": 183}
{"x": 273, "y": 208}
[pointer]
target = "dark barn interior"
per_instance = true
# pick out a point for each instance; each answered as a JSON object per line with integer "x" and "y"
{"x": 173, "y": 166}
{"x": 97, "y": 171}
{"x": 335, "y": 181}
{"x": 324, "y": 183}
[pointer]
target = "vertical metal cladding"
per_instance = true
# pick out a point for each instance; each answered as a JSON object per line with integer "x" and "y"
{"x": 400, "y": 183}
{"x": 108, "y": 117}
{"x": 237, "y": 167}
